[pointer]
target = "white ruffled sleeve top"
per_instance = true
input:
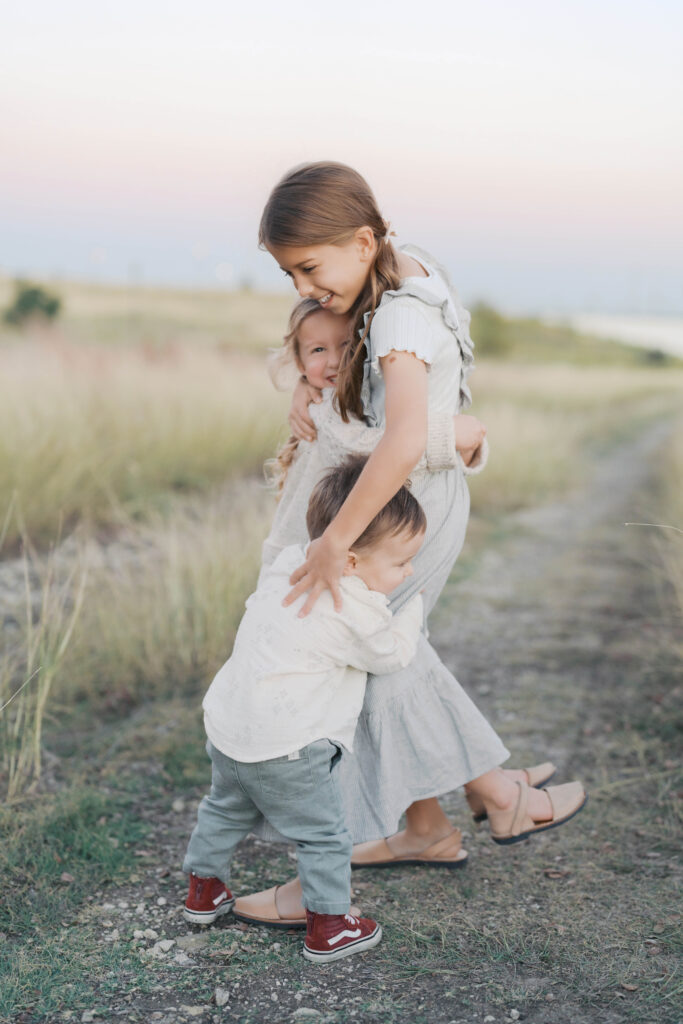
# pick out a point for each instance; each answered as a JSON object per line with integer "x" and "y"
{"x": 423, "y": 316}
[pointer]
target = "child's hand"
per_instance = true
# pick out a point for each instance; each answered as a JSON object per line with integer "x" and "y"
{"x": 301, "y": 423}
{"x": 322, "y": 570}
{"x": 469, "y": 434}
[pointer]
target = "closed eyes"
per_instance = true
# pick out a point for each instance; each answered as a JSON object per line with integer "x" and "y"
{"x": 305, "y": 270}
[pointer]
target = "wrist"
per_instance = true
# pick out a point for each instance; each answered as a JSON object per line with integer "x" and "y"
{"x": 335, "y": 539}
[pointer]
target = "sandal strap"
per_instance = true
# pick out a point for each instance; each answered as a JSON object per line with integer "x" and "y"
{"x": 444, "y": 848}
{"x": 373, "y": 851}
{"x": 520, "y": 814}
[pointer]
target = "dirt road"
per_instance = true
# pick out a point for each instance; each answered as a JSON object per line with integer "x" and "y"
{"x": 560, "y": 632}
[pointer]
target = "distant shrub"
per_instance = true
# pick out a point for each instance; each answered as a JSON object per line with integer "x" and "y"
{"x": 31, "y": 302}
{"x": 655, "y": 357}
{"x": 490, "y": 331}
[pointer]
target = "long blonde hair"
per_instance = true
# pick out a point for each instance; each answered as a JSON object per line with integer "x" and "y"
{"x": 281, "y": 365}
{"x": 325, "y": 203}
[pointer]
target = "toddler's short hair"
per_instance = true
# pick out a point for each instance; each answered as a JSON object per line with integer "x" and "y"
{"x": 402, "y": 512}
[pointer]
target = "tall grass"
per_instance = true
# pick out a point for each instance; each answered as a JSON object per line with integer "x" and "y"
{"x": 546, "y": 422}
{"x": 670, "y": 538}
{"x": 105, "y": 432}
{"x": 147, "y": 615}
{"x": 101, "y": 434}
{"x": 165, "y": 598}
{"x": 97, "y": 433}
{"x": 164, "y": 604}
{"x": 30, "y": 665}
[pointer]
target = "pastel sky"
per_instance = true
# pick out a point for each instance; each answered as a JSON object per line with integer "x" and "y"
{"x": 536, "y": 148}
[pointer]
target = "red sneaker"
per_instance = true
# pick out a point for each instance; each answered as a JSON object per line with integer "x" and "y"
{"x": 208, "y": 899}
{"x": 332, "y": 936}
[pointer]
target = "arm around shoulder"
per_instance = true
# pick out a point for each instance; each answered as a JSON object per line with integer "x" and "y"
{"x": 356, "y": 436}
{"x": 481, "y": 457}
{"x": 393, "y": 646}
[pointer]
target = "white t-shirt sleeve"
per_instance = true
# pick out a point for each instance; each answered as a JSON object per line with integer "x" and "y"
{"x": 402, "y": 326}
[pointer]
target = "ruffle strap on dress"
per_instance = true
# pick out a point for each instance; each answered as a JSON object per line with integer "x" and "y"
{"x": 455, "y": 317}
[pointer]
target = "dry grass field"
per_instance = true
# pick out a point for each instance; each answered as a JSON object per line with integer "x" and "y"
{"x": 154, "y": 318}
{"x": 102, "y": 434}
{"x": 131, "y": 439}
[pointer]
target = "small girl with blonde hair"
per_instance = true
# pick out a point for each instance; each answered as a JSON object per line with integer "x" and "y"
{"x": 283, "y": 366}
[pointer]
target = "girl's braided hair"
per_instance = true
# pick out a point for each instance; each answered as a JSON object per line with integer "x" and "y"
{"x": 325, "y": 203}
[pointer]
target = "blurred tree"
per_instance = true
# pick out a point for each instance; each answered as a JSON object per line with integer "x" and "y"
{"x": 655, "y": 357}
{"x": 31, "y": 302}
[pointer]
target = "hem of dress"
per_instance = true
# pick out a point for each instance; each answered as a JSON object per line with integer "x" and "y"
{"x": 394, "y": 817}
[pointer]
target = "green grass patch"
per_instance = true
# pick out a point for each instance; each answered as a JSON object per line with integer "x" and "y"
{"x": 87, "y": 833}
{"x": 55, "y": 853}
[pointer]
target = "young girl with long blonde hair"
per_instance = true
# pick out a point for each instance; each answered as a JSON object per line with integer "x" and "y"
{"x": 409, "y": 357}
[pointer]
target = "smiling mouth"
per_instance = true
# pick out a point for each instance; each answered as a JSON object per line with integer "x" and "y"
{"x": 325, "y": 299}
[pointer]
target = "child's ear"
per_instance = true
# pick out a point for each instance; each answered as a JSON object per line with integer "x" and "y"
{"x": 365, "y": 243}
{"x": 351, "y": 567}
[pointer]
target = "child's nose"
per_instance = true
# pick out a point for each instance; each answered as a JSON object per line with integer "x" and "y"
{"x": 303, "y": 286}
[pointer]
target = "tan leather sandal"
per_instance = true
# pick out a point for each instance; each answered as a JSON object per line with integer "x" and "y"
{"x": 517, "y": 824}
{"x": 261, "y": 908}
{"x": 536, "y": 776}
{"x": 446, "y": 853}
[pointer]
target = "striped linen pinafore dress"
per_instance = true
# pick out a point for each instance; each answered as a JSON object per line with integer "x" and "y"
{"x": 419, "y": 735}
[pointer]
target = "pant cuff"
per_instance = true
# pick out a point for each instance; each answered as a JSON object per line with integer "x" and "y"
{"x": 202, "y": 872}
{"x": 329, "y": 908}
